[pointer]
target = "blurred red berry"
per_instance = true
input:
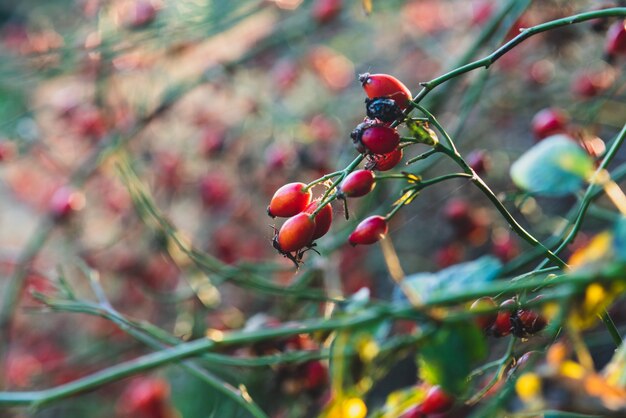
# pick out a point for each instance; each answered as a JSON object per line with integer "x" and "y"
{"x": 616, "y": 38}
{"x": 139, "y": 13}
{"x": 65, "y": 201}
{"x": 215, "y": 190}
{"x": 436, "y": 402}
{"x": 316, "y": 375}
{"x": 326, "y": 10}
{"x": 485, "y": 303}
{"x": 449, "y": 255}
{"x": 527, "y": 322}
{"x": 479, "y": 161}
{"x": 145, "y": 397}
{"x": 548, "y": 122}
{"x": 503, "y": 326}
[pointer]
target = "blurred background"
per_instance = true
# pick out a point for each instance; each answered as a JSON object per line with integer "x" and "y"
{"x": 129, "y": 126}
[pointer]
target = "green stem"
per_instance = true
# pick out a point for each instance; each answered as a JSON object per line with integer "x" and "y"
{"x": 175, "y": 354}
{"x": 422, "y": 156}
{"x": 478, "y": 181}
{"x": 327, "y": 197}
{"x": 487, "y": 61}
{"x": 610, "y": 326}
{"x": 502, "y": 364}
{"x": 321, "y": 179}
{"x": 592, "y": 192}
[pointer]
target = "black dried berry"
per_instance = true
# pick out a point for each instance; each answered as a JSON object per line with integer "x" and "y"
{"x": 357, "y": 133}
{"x": 383, "y": 109}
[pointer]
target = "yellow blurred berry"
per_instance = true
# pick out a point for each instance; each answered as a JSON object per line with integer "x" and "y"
{"x": 528, "y": 386}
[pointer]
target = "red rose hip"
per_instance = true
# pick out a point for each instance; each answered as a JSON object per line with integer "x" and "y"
{"x": 289, "y": 200}
{"x": 485, "y": 303}
{"x": 379, "y": 139}
{"x": 385, "y": 85}
{"x": 548, "y": 122}
{"x": 323, "y": 219}
{"x": 358, "y": 183}
{"x": 616, "y": 38}
{"x": 369, "y": 231}
{"x": 385, "y": 162}
{"x": 503, "y": 325}
{"x": 436, "y": 401}
{"x": 296, "y": 233}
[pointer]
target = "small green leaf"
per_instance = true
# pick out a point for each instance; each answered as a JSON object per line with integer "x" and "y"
{"x": 554, "y": 167}
{"x": 449, "y": 356}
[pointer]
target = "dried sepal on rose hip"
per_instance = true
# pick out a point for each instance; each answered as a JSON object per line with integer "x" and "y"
{"x": 289, "y": 200}
{"x": 373, "y": 138}
{"x": 384, "y": 162}
{"x": 382, "y": 108}
{"x": 358, "y": 183}
{"x": 369, "y": 231}
{"x": 385, "y": 85}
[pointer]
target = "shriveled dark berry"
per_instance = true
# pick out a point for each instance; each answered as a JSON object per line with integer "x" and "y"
{"x": 357, "y": 133}
{"x": 383, "y": 109}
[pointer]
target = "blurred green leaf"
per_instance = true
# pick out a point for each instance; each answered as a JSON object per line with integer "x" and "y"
{"x": 454, "y": 279}
{"x": 554, "y": 167}
{"x": 449, "y": 356}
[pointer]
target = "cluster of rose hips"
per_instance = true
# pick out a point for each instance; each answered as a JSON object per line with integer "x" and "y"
{"x": 510, "y": 318}
{"x": 378, "y": 140}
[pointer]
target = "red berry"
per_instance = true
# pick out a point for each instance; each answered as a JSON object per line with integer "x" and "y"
{"x": 385, "y": 85}
{"x": 296, "y": 233}
{"x": 548, "y": 122}
{"x": 323, "y": 219}
{"x": 385, "y": 162}
{"x": 145, "y": 397}
{"x": 215, "y": 190}
{"x": 358, "y": 183}
{"x": 316, "y": 375}
{"x": 479, "y": 161}
{"x": 436, "y": 401}
{"x": 503, "y": 326}
{"x": 483, "y": 304}
{"x": 326, "y": 10}
{"x": 526, "y": 323}
{"x": 616, "y": 38}
{"x": 64, "y": 201}
{"x": 140, "y": 13}
{"x": 379, "y": 139}
{"x": 369, "y": 231}
{"x": 289, "y": 200}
